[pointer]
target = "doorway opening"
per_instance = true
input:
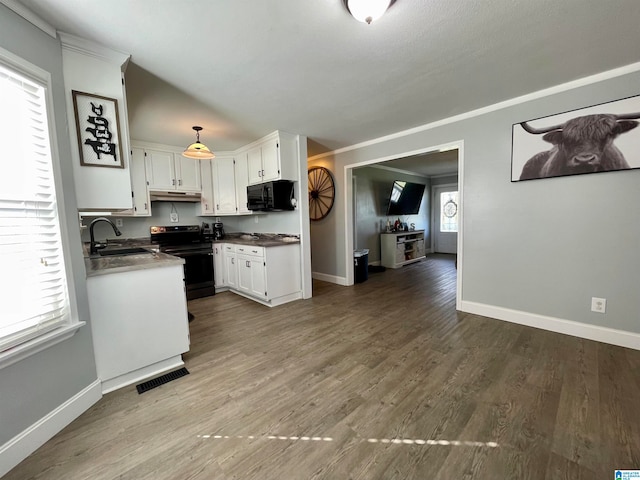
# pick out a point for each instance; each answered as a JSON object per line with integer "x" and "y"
{"x": 400, "y": 164}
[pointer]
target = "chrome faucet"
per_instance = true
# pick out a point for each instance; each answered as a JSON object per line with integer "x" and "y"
{"x": 94, "y": 246}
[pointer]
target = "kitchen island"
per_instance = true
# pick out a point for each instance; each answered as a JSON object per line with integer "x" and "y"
{"x": 139, "y": 314}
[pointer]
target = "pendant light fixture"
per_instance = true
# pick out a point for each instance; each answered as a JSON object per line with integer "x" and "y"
{"x": 367, "y": 10}
{"x": 198, "y": 150}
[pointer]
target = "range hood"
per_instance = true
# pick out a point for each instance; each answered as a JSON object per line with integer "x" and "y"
{"x": 162, "y": 196}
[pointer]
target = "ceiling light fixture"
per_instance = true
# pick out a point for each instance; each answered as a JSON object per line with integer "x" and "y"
{"x": 367, "y": 10}
{"x": 198, "y": 150}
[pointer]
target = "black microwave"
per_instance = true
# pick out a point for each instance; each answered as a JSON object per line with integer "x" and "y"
{"x": 271, "y": 196}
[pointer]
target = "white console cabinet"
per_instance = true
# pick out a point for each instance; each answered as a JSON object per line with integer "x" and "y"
{"x": 401, "y": 248}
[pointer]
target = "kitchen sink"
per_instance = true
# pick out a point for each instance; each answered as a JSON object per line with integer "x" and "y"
{"x": 123, "y": 251}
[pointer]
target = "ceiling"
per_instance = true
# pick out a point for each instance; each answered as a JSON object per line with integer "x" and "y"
{"x": 243, "y": 68}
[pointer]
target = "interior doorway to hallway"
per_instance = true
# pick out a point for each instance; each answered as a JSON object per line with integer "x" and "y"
{"x": 403, "y": 162}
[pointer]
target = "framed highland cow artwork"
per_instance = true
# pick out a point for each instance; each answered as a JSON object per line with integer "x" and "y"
{"x": 97, "y": 127}
{"x": 601, "y": 138}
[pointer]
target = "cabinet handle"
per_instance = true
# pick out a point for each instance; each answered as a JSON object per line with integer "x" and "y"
{"x": 218, "y": 206}
{"x": 145, "y": 205}
{"x": 248, "y": 264}
{"x": 233, "y": 261}
{"x": 259, "y": 173}
{"x": 180, "y": 182}
{"x": 206, "y": 206}
{"x": 254, "y": 251}
{"x": 263, "y": 173}
{"x": 173, "y": 182}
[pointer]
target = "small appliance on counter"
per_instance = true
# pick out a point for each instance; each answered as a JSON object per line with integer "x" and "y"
{"x": 218, "y": 231}
{"x": 206, "y": 231}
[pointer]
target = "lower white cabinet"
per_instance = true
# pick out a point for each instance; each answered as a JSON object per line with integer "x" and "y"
{"x": 270, "y": 275}
{"x": 230, "y": 273}
{"x": 252, "y": 271}
{"x": 218, "y": 266}
{"x": 138, "y": 323}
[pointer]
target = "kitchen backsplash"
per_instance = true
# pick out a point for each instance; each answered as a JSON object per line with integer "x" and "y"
{"x": 137, "y": 227}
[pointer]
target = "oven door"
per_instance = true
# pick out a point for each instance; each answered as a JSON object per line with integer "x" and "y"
{"x": 198, "y": 273}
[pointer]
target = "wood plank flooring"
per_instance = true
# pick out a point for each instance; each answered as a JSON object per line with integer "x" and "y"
{"x": 382, "y": 380}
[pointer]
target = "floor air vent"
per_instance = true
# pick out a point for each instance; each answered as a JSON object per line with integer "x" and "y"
{"x": 161, "y": 380}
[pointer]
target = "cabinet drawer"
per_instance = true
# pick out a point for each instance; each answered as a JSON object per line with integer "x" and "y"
{"x": 248, "y": 250}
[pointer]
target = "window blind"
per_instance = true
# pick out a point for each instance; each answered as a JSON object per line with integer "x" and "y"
{"x": 33, "y": 289}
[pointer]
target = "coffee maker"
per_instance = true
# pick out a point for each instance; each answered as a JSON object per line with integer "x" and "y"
{"x": 218, "y": 231}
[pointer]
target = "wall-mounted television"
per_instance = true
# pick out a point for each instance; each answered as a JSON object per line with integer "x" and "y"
{"x": 405, "y": 198}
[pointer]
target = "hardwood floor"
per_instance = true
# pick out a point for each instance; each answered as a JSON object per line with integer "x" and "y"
{"x": 382, "y": 380}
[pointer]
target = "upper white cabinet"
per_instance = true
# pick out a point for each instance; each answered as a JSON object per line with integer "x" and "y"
{"x": 188, "y": 173}
{"x": 171, "y": 171}
{"x": 91, "y": 68}
{"x": 224, "y": 185}
{"x": 242, "y": 181}
{"x": 224, "y": 189}
{"x": 273, "y": 157}
{"x": 206, "y": 200}
{"x": 139, "y": 190}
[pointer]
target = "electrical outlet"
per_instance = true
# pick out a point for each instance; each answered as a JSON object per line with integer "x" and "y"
{"x": 598, "y": 305}
{"x": 173, "y": 216}
{"x": 218, "y": 219}
{"x": 119, "y": 222}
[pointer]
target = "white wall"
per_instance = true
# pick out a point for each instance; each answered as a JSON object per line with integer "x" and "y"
{"x": 541, "y": 248}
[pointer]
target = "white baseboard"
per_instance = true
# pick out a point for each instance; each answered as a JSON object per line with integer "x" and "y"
{"x": 330, "y": 278}
{"x": 28, "y": 441}
{"x": 558, "y": 325}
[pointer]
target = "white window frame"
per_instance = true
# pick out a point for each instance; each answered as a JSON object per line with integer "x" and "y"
{"x": 67, "y": 330}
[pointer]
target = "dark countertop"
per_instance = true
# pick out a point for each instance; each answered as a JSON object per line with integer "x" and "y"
{"x": 124, "y": 263}
{"x": 96, "y": 265}
{"x": 127, "y": 263}
{"x": 259, "y": 240}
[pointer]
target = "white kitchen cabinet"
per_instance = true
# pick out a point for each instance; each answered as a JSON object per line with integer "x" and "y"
{"x": 264, "y": 162}
{"x": 230, "y": 266}
{"x": 89, "y": 67}
{"x": 207, "y": 204}
{"x": 139, "y": 189}
{"x": 242, "y": 181}
{"x": 224, "y": 186}
{"x": 273, "y": 158}
{"x": 251, "y": 271}
{"x": 270, "y": 275}
{"x": 218, "y": 265}
{"x": 138, "y": 323}
{"x": 188, "y": 173}
{"x": 161, "y": 171}
{"x": 168, "y": 171}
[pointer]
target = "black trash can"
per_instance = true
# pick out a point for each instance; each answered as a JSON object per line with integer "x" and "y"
{"x": 361, "y": 265}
